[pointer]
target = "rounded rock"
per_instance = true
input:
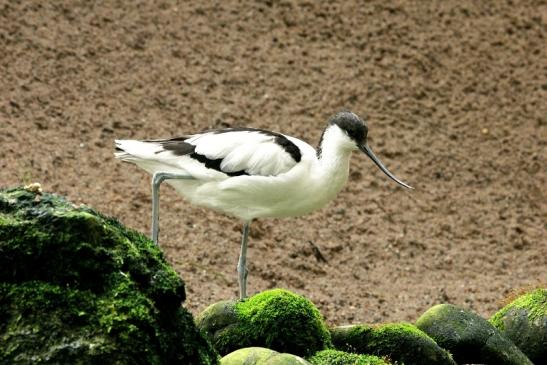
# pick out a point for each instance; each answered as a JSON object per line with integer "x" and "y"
{"x": 277, "y": 319}
{"x": 261, "y": 356}
{"x": 401, "y": 342}
{"x": 79, "y": 287}
{"x": 524, "y": 321}
{"x": 469, "y": 337}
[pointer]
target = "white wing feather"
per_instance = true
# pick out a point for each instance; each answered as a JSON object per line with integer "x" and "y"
{"x": 251, "y": 151}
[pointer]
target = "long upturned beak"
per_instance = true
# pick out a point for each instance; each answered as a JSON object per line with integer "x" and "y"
{"x": 366, "y": 149}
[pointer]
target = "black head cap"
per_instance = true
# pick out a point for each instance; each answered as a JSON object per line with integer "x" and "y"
{"x": 350, "y": 123}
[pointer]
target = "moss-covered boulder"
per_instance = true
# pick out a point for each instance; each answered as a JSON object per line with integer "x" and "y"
{"x": 217, "y": 321}
{"x": 261, "y": 356}
{"x": 77, "y": 287}
{"x": 524, "y": 321}
{"x": 276, "y": 319}
{"x": 401, "y": 342}
{"x": 469, "y": 337}
{"x": 336, "y": 357}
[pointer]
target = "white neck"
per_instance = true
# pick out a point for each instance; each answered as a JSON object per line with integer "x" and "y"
{"x": 336, "y": 148}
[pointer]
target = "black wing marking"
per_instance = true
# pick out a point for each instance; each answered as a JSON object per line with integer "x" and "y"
{"x": 280, "y": 139}
{"x": 215, "y": 164}
{"x": 179, "y": 147}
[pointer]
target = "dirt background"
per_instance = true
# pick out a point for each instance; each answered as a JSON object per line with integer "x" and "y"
{"x": 455, "y": 93}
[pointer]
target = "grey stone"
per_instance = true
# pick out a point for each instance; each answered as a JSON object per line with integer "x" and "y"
{"x": 469, "y": 337}
{"x": 524, "y": 321}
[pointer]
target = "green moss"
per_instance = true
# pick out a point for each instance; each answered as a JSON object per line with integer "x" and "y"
{"x": 285, "y": 321}
{"x": 78, "y": 287}
{"x": 49, "y": 323}
{"x": 524, "y": 322}
{"x": 217, "y": 318}
{"x": 402, "y": 342}
{"x": 534, "y": 302}
{"x": 335, "y": 357}
{"x": 395, "y": 333}
{"x": 261, "y": 356}
{"x": 275, "y": 319}
{"x": 6, "y": 219}
{"x": 350, "y": 338}
{"x": 248, "y": 355}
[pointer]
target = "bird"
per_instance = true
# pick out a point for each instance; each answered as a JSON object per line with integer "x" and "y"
{"x": 252, "y": 173}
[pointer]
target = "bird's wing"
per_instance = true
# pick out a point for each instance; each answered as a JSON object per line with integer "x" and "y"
{"x": 234, "y": 151}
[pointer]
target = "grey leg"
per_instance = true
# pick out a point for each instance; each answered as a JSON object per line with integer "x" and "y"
{"x": 157, "y": 179}
{"x": 242, "y": 264}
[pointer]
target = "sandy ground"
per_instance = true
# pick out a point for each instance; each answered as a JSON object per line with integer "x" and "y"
{"x": 455, "y": 94}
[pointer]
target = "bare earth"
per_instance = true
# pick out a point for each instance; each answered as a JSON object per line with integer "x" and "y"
{"x": 456, "y": 99}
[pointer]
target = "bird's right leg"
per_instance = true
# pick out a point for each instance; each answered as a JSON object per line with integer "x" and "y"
{"x": 157, "y": 179}
{"x": 242, "y": 264}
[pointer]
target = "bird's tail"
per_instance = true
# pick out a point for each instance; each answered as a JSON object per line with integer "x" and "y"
{"x": 148, "y": 155}
{"x": 120, "y": 152}
{"x": 132, "y": 150}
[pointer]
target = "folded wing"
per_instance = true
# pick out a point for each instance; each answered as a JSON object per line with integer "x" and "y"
{"x": 232, "y": 152}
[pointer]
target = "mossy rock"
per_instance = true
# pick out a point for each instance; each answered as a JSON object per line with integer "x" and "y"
{"x": 524, "y": 321}
{"x": 401, "y": 342}
{"x": 276, "y": 319}
{"x": 217, "y": 320}
{"x": 336, "y": 357}
{"x": 469, "y": 337}
{"x": 261, "y": 356}
{"x": 77, "y": 287}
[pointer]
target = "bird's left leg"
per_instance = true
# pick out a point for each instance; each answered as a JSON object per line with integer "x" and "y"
{"x": 242, "y": 264}
{"x": 157, "y": 179}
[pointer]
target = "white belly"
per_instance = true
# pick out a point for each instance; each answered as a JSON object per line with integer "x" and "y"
{"x": 249, "y": 197}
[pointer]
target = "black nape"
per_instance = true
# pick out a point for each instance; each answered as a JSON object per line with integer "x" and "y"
{"x": 354, "y": 126}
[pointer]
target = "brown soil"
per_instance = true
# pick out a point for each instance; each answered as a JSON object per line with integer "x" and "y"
{"x": 455, "y": 95}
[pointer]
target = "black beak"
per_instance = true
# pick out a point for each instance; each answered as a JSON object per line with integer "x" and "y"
{"x": 366, "y": 149}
